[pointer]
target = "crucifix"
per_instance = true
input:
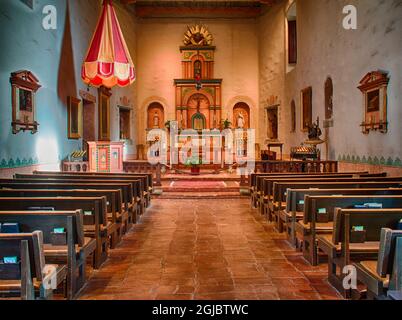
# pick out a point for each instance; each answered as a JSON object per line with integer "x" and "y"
{"x": 198, "y": 99}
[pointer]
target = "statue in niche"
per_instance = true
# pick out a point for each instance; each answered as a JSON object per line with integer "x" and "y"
{"x": 240, "y": 120}
{"x": 156, "y": 120}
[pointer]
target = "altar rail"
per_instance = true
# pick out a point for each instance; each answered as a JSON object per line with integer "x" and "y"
{"x": 135, "y": 166}
{"x": 291, "y": 166}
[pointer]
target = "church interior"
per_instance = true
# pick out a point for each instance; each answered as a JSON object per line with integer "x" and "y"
{"x": 200, "y": 150}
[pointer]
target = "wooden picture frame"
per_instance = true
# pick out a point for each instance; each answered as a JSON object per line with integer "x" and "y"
{"x": 104, "y": 114}
{"x": 374, "y": 89}
{"x": 74, "y": 118}
{"x": 24, "y": 86}
{"x": 306, "y": 103}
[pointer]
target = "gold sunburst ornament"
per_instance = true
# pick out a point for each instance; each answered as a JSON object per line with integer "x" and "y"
{"x": 197, "y": 35}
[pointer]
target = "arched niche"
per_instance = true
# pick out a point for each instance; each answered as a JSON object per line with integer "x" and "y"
{"x": 198, "y": 121}
{"x": 241, "y": 115}
{"x": 155, "y": 116}
{"x": 198, "y": 109}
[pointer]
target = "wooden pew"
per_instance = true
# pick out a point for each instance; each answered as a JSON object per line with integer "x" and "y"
{"x": 318, "y": 217}
{"x": 150, "y": 182}
{"x": 95, "y": 219}
{"x": 126, "y": 189}
{"x": 345, "y": 246}
{"x": 255, "y": 181}
{"x": 260, "y": 180}
{"x": 74, "y": 254}
{"x": 295, "y": 202}
{"x": 113, "y": 197}
{"x": 32, "y": 275}
{"x": 280, "y": 190}
{"x": 137, "y": 185}
{"x": 141, "y": 184}
{"x": 268, "y": 191}
{"x": 384, "y": 274}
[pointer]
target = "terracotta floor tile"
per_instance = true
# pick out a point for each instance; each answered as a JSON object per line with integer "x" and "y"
{"x": 206, "y": 249}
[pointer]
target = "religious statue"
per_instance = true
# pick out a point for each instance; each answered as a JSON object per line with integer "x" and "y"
{"x": 156, "y": 120}
{"x": 240, "y": 120}
{"x": 314, "y": 131}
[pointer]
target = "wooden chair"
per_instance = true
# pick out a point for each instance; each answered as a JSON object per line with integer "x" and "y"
{"x": 31, "y": 274}
{"x": 73, "y": 254}
{"x": 385, "y": 273}
{"x": 347, "y": 245}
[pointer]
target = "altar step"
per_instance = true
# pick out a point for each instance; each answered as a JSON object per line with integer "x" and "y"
{"x": 200, "y": 188}
{"x": 201, "y": 195}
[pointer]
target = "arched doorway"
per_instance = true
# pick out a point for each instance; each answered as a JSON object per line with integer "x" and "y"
{"x": 198, "y": 112}
{"x": 241, "y": 115}
{"x": 156, "y": 116}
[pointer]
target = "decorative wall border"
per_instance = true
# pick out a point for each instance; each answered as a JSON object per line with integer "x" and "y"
{"x": 18, "y": 163}
{"x": 376, "y": 161}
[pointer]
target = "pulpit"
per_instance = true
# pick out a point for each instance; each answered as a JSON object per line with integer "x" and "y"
{"x": 105, "y": 156}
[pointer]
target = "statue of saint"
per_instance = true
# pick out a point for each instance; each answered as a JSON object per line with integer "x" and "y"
{"x": 240, "y": 120}
{"x": 156, "y": 120}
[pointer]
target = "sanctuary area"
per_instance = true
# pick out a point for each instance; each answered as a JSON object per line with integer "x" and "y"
{"x": 200, "y": 150}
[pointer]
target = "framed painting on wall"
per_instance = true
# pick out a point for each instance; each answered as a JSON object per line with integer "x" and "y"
{"x": 306, "y": 108}
{"x": 24, "y": 87}
{"x": 374, "y": 89}
{"x": 74, "y": 118}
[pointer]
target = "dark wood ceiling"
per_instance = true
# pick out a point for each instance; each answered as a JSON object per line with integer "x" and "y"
{"x": 199, "y": 9}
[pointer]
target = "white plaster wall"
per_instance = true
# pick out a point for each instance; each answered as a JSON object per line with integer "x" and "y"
{"x": 272, "y": 69}
{"x": 326, "y": 49}
{"x": 159, "y": 62}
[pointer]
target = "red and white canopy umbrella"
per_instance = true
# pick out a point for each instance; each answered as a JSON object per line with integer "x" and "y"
{"x": 108, "y": 60}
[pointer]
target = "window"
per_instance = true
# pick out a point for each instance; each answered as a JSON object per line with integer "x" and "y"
{"x": 292, "y": 35}
{"x": 292, "y": 42}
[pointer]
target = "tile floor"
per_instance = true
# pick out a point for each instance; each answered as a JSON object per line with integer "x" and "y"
{"x": 206, "y": 249}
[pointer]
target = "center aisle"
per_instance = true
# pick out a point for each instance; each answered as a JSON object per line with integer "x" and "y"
{"x": 206, "y": 249}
